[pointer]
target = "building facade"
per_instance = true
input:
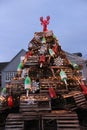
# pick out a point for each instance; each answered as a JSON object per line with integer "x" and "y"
{"x": 11, "y": 68}
{"x": 2, "y": 66}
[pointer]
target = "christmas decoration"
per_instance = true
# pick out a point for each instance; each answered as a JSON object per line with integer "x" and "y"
{"x": 58, "y": 61}
{"x": 47, "y": 85}
{"x": 55, "y": 48}
{"x": 10, "y": 101}
{"x": 42, "y": 60}
{"x": 46, "y": 61}
{"x": 27, "y": 83}
{"x": 51, "y": 52}
{"x": 75, "y": 66}
{"x": 3, "y": 92}
{"x": 43, "y": 40}
{"x": 19, "y": 69}
{"x": 63, "y": 76}
{"x": 84, "y": 87}
{"x": 35, "y": 86}
{"x": 45, "y": 22}
{"x": 52, "y": 92}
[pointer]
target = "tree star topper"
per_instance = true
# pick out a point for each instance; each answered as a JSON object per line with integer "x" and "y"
{"x": 45, "y": 22}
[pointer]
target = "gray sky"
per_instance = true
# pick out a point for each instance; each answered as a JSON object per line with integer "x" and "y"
{"x": 19, "y": 19}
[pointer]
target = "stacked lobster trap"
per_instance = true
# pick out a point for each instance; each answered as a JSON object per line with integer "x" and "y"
{"x": 48, "y": 85}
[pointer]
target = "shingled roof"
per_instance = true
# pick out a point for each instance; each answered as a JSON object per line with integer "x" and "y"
{"x": 75, "y": 58}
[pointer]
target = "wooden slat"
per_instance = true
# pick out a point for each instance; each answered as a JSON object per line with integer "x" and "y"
{"x": 42, "y": 104}
{"x": 80, "y": 100}
{"x": 68, "y": 129}
{"x": 68, "y": 121}
{"x": 14, "y": 121}
{"x": 14, "y": 128}
{"x": 64, "y": 121}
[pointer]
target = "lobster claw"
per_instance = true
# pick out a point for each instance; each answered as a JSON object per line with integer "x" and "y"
{"x": 41, "y": 19}
{"x": 48, "y": 18}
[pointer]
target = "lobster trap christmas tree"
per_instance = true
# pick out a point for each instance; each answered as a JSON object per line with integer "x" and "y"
{"x": 45, "y": 67}
{"x": 47, "y": 85}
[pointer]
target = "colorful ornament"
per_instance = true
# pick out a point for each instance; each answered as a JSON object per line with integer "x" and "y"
{"x": 28, "y": 54}
{"x": 58, "y": 61}
{"x": 55, "y": 49}
{"x": 20, "y": 66}
{"x": 3, "y": 92}
{"x": 84, "y": 87}
{"x": 35, "y": 86}
{"x": 51, "y": 52}
{"x": 43, "y": 40}
{"x": 63, "y": 76}
{"x": 74, "y": 65}
{"x": 42, "y": 60}
{"x": 52, "y": 92}
{"x": 10, "y": 101}
{"x": 27, "y": 83}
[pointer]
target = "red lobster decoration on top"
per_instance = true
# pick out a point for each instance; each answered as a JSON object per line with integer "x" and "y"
{"x": 45, "y": 22}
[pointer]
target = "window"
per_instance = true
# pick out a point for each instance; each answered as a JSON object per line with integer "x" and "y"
{"x": 10, "y": 75}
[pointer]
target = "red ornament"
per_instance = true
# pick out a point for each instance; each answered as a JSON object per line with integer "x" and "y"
{"x": 42, "y": 60}
{"x": 84, "y": 87}
{"x": 45, "y": 22}
{"x": 28, "y": 54}
{"x": 52, "y": 92}
{"x": 10, "y": 101}
{"x": 55, "y": 49}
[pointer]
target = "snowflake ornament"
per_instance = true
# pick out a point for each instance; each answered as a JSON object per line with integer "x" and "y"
{"x": 58, "y": 61}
